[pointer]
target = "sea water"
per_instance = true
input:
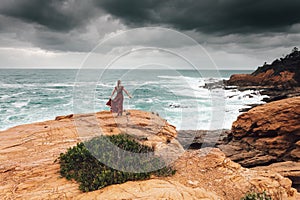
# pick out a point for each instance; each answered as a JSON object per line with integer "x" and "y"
{"x": 179, "y": 96}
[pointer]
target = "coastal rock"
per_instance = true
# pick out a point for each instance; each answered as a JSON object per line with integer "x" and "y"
{"x": 281, "y": 74}
{"x": 284, "y": 79}
{"x": 214, "y": 172}
{"x": 29, "y": 169}
{"x": 278, "y": 80}
{"x": 266, "y": 134}
{"x": 28, "y": 152}
{"x": 213, "y": 177}
{"x": 288, "y": 169}
{"x": 58, "y": 118}
{"x": 196, "y": 139}
{"x": 275, "y": 119}
{"x": 149, "y": 190}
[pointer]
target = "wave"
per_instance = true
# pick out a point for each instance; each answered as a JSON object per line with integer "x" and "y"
{"x": 104, "y": 85}
{"x": 12, "y": 95}
{"x": 15, "y": 85}
{"x": 20, "y": 104}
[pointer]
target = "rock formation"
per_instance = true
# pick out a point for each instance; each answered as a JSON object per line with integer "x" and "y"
{"x": 28, "y": 169}
{"x": 278, "y": 80}
{"x": 28, "y": 152}
{"x": 290, "y": 169}
{"x": 281, "y": 74}
{"x": 284, "y": 79}
{"x": 267, "y": 133}
{"x": 202, "y": 174}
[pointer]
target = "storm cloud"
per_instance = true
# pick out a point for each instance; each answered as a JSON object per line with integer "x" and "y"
{"x": 213, "y": 16}
{"x": 59, "y": 15}
{"x": 238, "y": 29}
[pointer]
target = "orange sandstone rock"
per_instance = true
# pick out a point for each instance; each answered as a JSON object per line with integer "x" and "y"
{"x": 28, "y": 169}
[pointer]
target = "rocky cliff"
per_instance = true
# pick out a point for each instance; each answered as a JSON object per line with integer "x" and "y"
{"x": 283, "y": 73}
{"x": 278, "y": 80}
{"x": 28, "y": 169}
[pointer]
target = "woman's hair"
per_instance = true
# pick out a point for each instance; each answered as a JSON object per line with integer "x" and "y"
{"x": 118, "y": 83}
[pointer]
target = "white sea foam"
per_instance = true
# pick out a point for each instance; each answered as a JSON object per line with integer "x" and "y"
{"x": 4, "y": 97}
{"x": 20, "y": 104}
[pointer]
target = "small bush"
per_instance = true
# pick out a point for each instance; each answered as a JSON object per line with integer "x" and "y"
{"x": 256, "y": 196}
{"x": 78, "y": 163}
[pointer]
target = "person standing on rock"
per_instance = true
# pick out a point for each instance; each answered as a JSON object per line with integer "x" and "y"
{"x": 117, "y": 102}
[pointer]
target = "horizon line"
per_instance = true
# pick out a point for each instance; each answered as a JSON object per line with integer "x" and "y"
{"x": 121, "y": 69}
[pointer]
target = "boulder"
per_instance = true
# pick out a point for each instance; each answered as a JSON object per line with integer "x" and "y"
{"x": 273, "y": 129}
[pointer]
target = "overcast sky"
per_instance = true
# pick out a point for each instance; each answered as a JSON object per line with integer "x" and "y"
{"x": 236, "y": 34}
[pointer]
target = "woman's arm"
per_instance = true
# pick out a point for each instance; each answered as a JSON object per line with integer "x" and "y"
{"x": 113, "y": 92}
{"x": 127, "y": 93}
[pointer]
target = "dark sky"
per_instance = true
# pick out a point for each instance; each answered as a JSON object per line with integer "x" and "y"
{"x": 237, "y": 33}
{"x": 212, "y": 17}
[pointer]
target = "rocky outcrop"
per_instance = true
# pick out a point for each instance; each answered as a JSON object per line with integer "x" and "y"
{"x": 28, "y": 152}
{"x": 284, "y": 79}
{"x": 278, "y": 80}
{"x": 277, "y": 118}
{"x": 281, "y": 74}
{"x": 266, "y": 134}
{"x": 28, "y": 169}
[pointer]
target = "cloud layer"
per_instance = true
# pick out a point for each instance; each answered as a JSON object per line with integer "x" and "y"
{"x": 213, "y": 16}
{"x": 243, "y": 29}
{"x": 58, "y": 15}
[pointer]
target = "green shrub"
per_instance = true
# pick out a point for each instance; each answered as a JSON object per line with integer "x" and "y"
{"x": 78, "y": 163}
{"x": 256, "y": 196}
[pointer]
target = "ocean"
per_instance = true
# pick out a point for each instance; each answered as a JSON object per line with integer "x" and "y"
{"x": 33, "y": 95}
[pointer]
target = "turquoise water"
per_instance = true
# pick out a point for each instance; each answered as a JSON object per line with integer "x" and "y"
{"x": 33, "y": 95}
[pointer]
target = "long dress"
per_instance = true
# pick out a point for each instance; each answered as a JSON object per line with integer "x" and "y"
{"x": 117, "y": 102}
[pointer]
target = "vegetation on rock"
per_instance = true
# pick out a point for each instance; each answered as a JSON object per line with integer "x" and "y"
{"x": 290, "y": 62}
{"x": 78, "y": 163}
{"x": 256, "y": 196}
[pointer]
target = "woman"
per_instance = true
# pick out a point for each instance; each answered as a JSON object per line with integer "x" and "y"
{"x": 117, "y": 102}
